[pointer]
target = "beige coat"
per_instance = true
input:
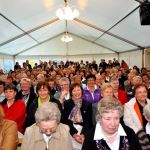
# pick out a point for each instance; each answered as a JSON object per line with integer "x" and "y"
{"x": 60, "y": 140}
{"x": 8, "y": 135}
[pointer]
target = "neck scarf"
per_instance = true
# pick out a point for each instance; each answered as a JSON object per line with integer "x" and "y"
{"x": 75, "y": 114}
{"x": 25, "y": 96}
{"x": 40, "y": 101}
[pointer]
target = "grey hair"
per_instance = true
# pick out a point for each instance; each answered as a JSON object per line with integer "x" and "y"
{"x": 114, "y": 79}
{"x": 64, "y": 79}
{"x": 25, "y": 79}
{"x": 48, "y": 111}
{"x": 106, "y": 105}
{"x": 146, "y": 110}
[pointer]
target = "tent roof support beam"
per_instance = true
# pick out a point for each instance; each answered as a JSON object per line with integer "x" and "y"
{"x": 30, "y": 31}
{"x": 93, "y": 42}
{"x": 109, "y": 33}
{"x": 39, "y": 44}
{"x": 18, "y": 27}
{"x": 118, "y": 23}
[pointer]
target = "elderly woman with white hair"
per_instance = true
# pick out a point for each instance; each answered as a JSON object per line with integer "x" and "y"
{"x": 109, "y": 134}
{"x": 47, "y": 133}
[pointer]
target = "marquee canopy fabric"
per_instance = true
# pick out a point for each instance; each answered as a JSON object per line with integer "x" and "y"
{"x": 110, "y": 25}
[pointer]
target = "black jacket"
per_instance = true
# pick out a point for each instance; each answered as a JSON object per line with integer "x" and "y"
{"x": 90, "y": 143}
{"x": 32, "y": 96}
{"x": 86, "y": 112}
{"x": 30, "y": 118}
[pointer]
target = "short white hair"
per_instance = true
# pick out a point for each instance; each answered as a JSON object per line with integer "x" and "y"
{"x": 64, "y": 79}
{"x": 25, "y": 79}
{"x": 48, "y": 111}
{"x": 107, "y": 104}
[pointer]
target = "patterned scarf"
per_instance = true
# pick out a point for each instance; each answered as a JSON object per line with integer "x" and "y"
{"x": 75, "y": 114}
{"x": 25, "y": 96}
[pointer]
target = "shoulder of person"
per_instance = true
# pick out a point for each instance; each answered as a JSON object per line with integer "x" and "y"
{"x": 31, "y": 129}
{"x": 132, "y": 101}
{"x": 20, "y": 101}
{"x": 53, "y": 99}
{"x": 57, "y": 94}
{"x": 63, "y": 128}
{"x": 127, "y": 129}
{"x": 4, "y": 102}
{"x": 35, "y": 101}
{"x": 148, "y": 100}
{"x": 85, "y": 103}
{"x": 8, "y": 123}
{"x": 68, "y": 102}
{"x": 121, "y": 91}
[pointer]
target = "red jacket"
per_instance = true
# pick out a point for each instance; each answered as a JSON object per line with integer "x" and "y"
{"x": 122, "y": 96}
{"x": 16, "y": 112}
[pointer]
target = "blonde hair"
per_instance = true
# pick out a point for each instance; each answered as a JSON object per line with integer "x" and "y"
{"x": 105, "y": 86}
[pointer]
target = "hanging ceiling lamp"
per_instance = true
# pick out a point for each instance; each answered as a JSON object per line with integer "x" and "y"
{"x": 66, "y": 38}
{"x": 67, "y": 13}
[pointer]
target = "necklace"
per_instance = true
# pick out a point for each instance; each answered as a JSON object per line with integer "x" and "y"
{"x": 109, "y": 136}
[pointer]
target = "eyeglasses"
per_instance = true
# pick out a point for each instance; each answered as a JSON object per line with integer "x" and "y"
{"x": 48, "y": 130}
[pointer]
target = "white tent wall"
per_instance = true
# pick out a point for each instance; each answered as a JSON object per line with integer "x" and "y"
{"x": 90, "y": 58}
{"x": 38, "y": 58}
{"x": 56, "y": 47}
{"x": 6, "y": 62}
{"x": 37, "y": 30}
{"x": 132, "y": 58}
{"x": 56, "y": 50}
{"x": 147, "y": 58}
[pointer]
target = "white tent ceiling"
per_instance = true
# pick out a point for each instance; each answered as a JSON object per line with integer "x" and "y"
{"x": 108, "y": 25}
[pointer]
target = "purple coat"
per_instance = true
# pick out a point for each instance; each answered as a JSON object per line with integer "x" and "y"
{"x": 87, "y": 96}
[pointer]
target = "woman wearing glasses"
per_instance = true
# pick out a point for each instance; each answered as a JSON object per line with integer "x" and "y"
{"x": 47, "y": 133}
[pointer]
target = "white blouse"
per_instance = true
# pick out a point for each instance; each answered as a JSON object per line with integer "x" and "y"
{"x": 98, "y": 135}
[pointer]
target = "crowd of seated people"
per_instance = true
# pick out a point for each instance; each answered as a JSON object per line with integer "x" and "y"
{"x": 77, "y": 89}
